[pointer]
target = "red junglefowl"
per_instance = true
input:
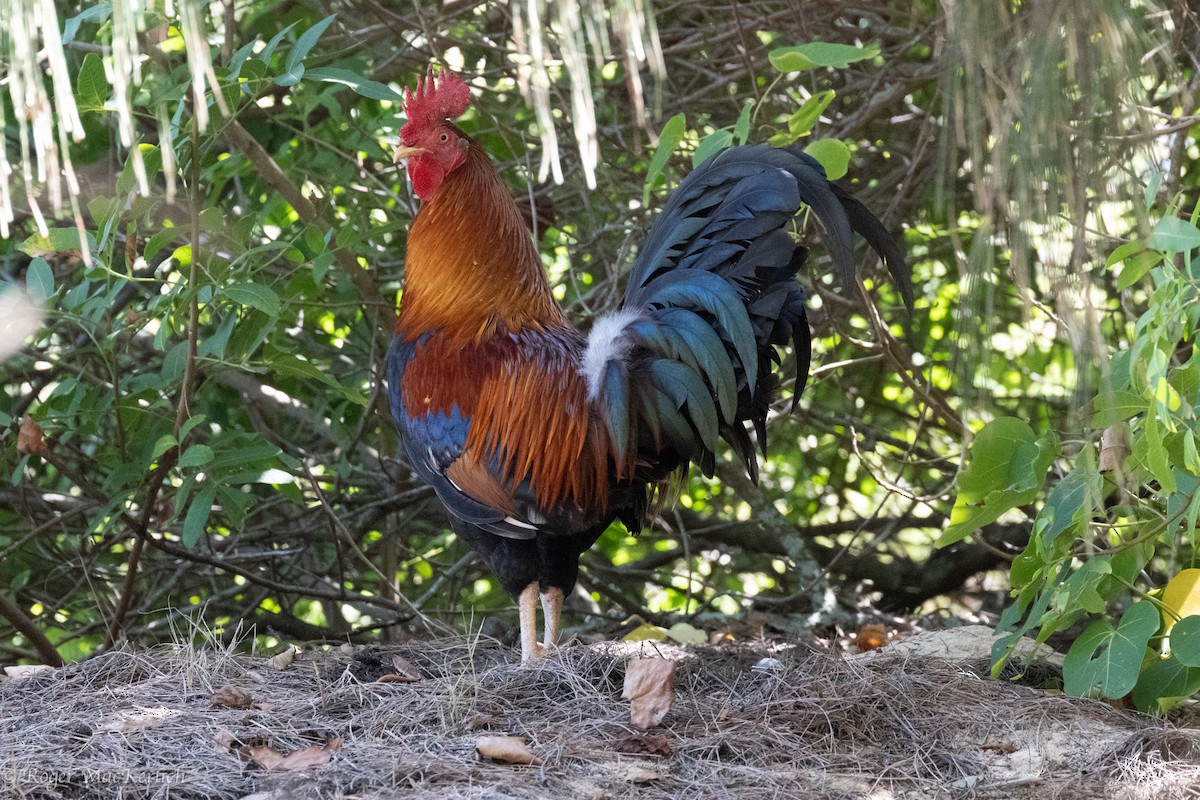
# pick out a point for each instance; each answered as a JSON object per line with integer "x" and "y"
{"x": 536, "y": 437}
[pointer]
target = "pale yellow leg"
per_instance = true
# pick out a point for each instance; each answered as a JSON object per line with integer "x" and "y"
{"x": 552, "y": 603}
{"x": 527, "y": 604}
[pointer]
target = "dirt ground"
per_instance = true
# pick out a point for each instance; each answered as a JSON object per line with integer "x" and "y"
{"x": 747, "y": 721}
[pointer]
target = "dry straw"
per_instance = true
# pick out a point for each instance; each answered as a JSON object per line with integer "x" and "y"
{"x": 746, "y": 723}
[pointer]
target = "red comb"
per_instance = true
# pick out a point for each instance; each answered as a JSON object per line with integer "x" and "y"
{"x": 432, "y": 102}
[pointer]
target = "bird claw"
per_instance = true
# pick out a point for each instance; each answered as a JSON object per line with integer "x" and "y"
{"x": 539, "y": 650}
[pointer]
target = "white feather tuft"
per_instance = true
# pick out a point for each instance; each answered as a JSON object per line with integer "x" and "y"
{"x": 20, "y": 318}
{"x": 606, "y": 342}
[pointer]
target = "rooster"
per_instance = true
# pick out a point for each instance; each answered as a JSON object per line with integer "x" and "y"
{"x": 536, "y": 437}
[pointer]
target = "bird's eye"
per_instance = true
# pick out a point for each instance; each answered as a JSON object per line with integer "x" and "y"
{"x": 443, "y": 137}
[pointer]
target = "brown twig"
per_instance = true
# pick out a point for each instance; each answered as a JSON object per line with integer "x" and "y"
{"x": 168, "y": 459}
{"x": 29, "y": 629}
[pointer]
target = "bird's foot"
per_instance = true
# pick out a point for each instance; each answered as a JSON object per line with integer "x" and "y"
{"x": 538, "y": 650}
{"x": 551, "y": 601}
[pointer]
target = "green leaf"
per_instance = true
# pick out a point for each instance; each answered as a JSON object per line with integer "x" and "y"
{"x": 833, "y": 154}
{"x": 802, "y": 121}
{"x": 104, "y": 209}
{"x": 1152, "y": 446}
{"x": 1125, "y": 251}
{"x": 668, "y": 140}
{"x": 819, "y": 54}
{"x": 56, "y": 240}
{"x": 290, "y": 365}
{"x": 966, "y": 519}
{"x": 187, "y": 427}
{"x": 1131, "y": 559}
{"x": 710, "y": 145}
{"x": 1185, "y": 641}
{"x": 1034, "y": 598}
{"x": 39, "y": 279}
{"x": 254, "y": 295}
{"x": 1082, "y": 586}
{"x": 1174, "y": 235}
{"x": 151, "y": 159}
{"x": 1107, "y": 662}
{"x": 1114, "y": 407}
{"x": 741, "y": 130}
{"x": 1027, "y": 469}
{"x": 243, "y": 455}
{"x": 164, "y": 443}
{"x": 364, "y": 86}
{"x": 18, "y": 581}
{"x": 1083, "y": 484}
{"x": 292, "y": 76}
{"x": 1136, "y": 266}
{"x": 1191, "y": 455}
{"x": 198, "y": 513}
{"x": 293, "y": 67}
{"x": 98, "y": 12}
{"x": 265, "y": 55}
{"x": 1153, "y": 185}
{"x": 1007, "y": 467}
{"x": 160, "y": 240}
{"x": 1163, "y": 684}
{"x": 991, "y": 454}
{"x": 182, "y": 255}
{"x": 91, "y": 86}
{"x": 239, "y": 59}
{"x": 196, "y": 456}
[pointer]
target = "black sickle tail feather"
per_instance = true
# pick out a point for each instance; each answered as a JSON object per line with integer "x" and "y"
{"x": 870, "y": 228}
{"x": 691, "y": 354}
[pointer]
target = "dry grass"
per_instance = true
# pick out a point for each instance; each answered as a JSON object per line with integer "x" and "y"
{"x": 134, "y": 725}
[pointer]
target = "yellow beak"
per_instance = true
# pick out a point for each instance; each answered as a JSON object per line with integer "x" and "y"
{"x": 404, "y": 151}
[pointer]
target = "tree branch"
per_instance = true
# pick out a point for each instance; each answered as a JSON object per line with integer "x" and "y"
{"x": 26, "y": 626}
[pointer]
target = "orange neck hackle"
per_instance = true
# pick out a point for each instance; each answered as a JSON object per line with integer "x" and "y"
{"x": 472, "y": 270}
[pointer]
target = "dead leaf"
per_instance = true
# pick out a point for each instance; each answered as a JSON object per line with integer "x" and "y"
{"x": 405, "y": 672}
{"x": 284, "y": 659}
{"x": 506, "y": 749}
{"x": 31, "y": 439}
{"x": 646, "y": 633}
{"x": 650, "y": 685}
{"x": 232, "y": 697}
{"x": 870, "y": 637}
{"x": 18, "y": 671}
{"x": 131, "y": 249}
{"x": 767, "y": 664}
{"x": 1114, "y": 447}
{"x": 645, "y": 776}
{"x": 642, "y": 743}
{"x": 134, "y": 720}
{"x": 687, "y": 634}
{"x": 262, "y": 754}
{"x": 480, "y": 721}
{"x": 269, "y": 758}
